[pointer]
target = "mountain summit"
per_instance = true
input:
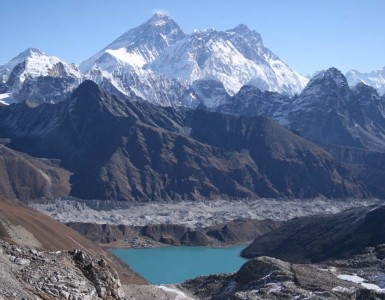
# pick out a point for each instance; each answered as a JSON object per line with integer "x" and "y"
{"x": 139, "y": 45}
{"x": 37, "y": 77}
{"x": 375, "y": 79}
{"x": 158, "y": 62}
{"x": 235, "y": 57}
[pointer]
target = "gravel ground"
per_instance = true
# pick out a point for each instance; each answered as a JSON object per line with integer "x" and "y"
{"x": 146, "y": 292}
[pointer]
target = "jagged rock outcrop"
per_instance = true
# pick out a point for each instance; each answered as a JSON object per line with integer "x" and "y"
{"x": 55, "y": 275}
{"x": 251, "y": 101}
{"x": 329, "y": 112}
{"x": 271, "y": 278}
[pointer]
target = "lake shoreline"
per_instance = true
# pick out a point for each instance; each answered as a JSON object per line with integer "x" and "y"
{"x": 122, "y": 245}
{"x": 176, "y": 264}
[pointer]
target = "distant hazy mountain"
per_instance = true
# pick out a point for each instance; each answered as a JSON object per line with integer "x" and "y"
{"x": 375, "y": 79}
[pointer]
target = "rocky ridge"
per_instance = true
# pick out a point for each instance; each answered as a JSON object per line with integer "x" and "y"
{"x": 27, "y": 228}
{"x": 360, "y": 277}
{"x": 171, "y": 154}
{"x": 327, "y": 111}
{"x": 322, "y": 237}
{"x": 32, "y": 274}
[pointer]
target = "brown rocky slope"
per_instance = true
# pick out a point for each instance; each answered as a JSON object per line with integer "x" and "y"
{"x": 26, "y": 227}
{"x": 25, "y": 177}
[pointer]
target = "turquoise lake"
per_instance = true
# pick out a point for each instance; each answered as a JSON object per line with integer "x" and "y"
{"x": 168, "y": 265}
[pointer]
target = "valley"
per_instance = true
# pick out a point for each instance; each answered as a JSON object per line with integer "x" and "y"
{"x": 205, "y": 143}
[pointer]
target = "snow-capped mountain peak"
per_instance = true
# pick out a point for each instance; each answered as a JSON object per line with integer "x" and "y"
{"x": 33, "y": 63}
{"x": 375, "y": 79}
{"x": 5, "y": 70}
{"x": 159, "y": 19}
{"x": 35, "y": 76}
{"x": 152, "y": 59}
{"x": 235, "y": 57}
{"x": 30, "y": 52}
{"x": 140, "y": 45}
{"x": 253, "y": 37}
{"x": 331, "y": 75}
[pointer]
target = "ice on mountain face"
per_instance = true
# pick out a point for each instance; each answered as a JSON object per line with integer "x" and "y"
{"x": 145, "y": 84}
{"x": 161, "y": 52}
{"x": 121, "y": 65}
{"x": 6, "y": 69}
{"x": 38, "y": 78}
{"x": 235, "y": 57}
{"x": 375, "y": 79}
{"x": 37, "y": 63}
{"x": 133, "y": 58}
{"x": 210, "y": 93}
{"x": 141, "y": 44}
{"x": 6, "y": 99}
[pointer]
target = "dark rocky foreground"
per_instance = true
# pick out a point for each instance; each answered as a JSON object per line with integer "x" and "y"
{"x": 338, "y": 256}
{"x": 55, "y": 275}
{"x": 234, "y": 232}
{"x": 28, "y": 228}
{"x": 271, "y": 278}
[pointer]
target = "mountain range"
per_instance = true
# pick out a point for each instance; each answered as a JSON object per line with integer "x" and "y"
{"x": 158, "y": 62}
{"x": 161, "y": 115}
{"x": 328, "y": 111}
{"x": 186, "y": 114}
{"x": 375, "y": 79}
{"x": 118, "y": 148}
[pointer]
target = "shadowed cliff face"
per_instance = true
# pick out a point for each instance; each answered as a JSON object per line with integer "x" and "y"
{"x": 322, "y": 237}
{"x": 288, "y": 162}
{"x": 117, "y": 149}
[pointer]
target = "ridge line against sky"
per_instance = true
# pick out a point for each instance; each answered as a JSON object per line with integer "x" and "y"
{"x": 307, "y": 35}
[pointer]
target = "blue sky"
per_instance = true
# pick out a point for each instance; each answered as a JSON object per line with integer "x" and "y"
{"x": 308, "y": 35}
